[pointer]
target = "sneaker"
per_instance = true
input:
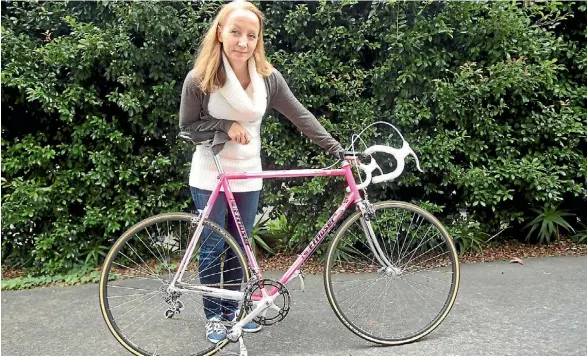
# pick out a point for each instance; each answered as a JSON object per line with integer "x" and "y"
{"x": 215, "y": 331}
{"x": 248, "y": 328}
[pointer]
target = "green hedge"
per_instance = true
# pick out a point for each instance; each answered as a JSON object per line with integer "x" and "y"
{"x": 490, "y": 95}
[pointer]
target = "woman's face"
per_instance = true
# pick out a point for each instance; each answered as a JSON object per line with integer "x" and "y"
{"x": 239, "y": 35}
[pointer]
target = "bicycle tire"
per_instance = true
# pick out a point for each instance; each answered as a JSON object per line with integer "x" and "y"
{"x": 116, "y": 249}
{"x": 331, "y": 271}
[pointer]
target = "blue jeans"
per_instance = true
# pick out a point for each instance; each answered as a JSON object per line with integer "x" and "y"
{"x": 212, "y": 248}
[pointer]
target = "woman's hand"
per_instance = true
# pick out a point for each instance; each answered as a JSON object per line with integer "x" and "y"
{"x": 238, "y": 134}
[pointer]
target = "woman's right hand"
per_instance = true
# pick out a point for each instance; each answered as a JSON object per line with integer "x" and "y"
{"x": 239, "y": 134}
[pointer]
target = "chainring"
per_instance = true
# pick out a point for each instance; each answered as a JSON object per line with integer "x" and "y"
{"x": 282, "y": 301}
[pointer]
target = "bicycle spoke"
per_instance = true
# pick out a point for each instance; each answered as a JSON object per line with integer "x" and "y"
{"x": 400, "y": 296}
{"x": 362, "y": 295}
{"x": 416, "y": 249}
{"x": 429, "y": 259}
{"x": 139, "y": 256}
{"x": 157, "y": 278}
{"x": 128, "y": 311}
{"x": 440, "y": 243}
{"x": 373, "y": 302}
{"x": 345, "y": 290}
{"x": 146, "y": 322}
{"x": 418, "y": 293}
{"x": 151, "y": 238}
{"x": 130, "y": 301}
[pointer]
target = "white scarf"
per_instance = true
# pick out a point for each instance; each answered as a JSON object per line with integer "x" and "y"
{"x": 237, "y": 97}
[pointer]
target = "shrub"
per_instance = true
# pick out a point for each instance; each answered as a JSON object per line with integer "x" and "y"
{"x": 489, "y": 94}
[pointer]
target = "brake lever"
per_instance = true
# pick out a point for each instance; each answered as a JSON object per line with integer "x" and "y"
{"x": 368, "y": 169}
{"x": 413, "y": 154}
{"x": 377, "y": 166}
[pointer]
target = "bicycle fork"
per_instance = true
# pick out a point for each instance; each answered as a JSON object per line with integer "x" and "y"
{"x": 387, "y": 266}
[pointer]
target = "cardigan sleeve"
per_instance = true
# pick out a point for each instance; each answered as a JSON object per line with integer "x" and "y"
{"x": 284, "y": 101}
{"x": 191, "y": 115}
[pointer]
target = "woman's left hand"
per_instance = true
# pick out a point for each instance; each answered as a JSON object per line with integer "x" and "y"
{"x": 239, "y": 134}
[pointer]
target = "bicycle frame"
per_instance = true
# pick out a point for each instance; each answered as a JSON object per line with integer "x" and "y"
{"x": 260, "y": 296}
{"x": 223, "y": 182}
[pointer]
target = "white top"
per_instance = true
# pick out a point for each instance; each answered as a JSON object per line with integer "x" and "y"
{"x": 247, "y": 107}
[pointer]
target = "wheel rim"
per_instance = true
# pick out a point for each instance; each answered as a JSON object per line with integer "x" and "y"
{"x": 401, "y": 301}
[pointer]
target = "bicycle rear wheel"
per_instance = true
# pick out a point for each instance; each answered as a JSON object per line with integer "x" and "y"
{"x": 138, "y": 310}
{"x": 399, "y": 286}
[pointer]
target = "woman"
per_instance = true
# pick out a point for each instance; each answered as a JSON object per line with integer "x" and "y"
{"x": 229, "y": 91}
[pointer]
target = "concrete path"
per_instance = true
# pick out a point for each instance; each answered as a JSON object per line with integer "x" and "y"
{"x": 539, "y": 308}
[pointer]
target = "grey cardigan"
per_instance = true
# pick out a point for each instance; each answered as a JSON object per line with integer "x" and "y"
{"x": 194, "y": 116}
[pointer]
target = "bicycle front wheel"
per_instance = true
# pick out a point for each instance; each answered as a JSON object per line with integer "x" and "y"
{"x": 397, "y": 283}
{"x": 142, "y": 314}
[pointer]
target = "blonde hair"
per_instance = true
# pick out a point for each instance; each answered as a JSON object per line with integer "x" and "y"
{"x": 209, "y": 70}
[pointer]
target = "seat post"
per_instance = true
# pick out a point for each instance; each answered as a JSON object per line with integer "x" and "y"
{"x": 217, "y": 161}
{"x": 218, "y": 165}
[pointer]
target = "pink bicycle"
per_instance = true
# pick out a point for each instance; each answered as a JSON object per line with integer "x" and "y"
{"x": 391, "y": 272}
